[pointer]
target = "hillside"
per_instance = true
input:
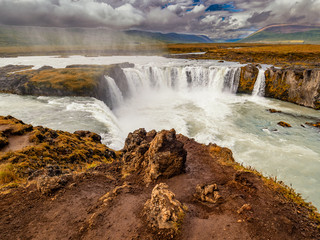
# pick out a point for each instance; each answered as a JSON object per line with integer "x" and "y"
{"x": 45, "y": 36}
{"x": 284, "y": 33}
{"x": 170, "y": 37}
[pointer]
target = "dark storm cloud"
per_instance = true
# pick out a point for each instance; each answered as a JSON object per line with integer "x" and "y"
{"x": 259, "y": 17}
{"x": 216, "y": 18}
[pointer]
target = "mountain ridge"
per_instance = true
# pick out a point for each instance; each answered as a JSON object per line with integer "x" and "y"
{"x": 285, "y": 33}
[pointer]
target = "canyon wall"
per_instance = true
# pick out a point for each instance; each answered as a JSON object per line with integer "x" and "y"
{"x": 296, "y": 85}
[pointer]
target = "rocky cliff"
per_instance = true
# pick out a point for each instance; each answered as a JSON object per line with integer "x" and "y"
{"x": 161, "y": 185}
{"x": 296, "y": 85}
{"x": 74, "y": 80}
{"x": 292, "y": 84}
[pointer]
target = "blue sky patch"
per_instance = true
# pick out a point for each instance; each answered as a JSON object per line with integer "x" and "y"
{"x": 223, "y": 7}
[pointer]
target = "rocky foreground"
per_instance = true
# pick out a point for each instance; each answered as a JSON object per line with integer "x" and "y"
{"x": 161, "y": 185}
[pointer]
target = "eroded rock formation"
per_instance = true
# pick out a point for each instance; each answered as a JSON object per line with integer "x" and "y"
{"x": 163, "y": 211}
{"x": 154, "y": 155}
{"x": 248, "y": 77}
{"x": 293, "y": 84}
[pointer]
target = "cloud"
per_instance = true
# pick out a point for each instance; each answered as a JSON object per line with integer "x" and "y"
{"x": 67, "y": 13}
{"x": 259, "y": 17}
{"x": 215, "y": 18}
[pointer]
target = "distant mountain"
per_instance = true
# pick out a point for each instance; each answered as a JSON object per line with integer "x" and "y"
{"x": 171, "y": 37}
{"x": 50, "y": 36}
{"x": 285, "y": 33}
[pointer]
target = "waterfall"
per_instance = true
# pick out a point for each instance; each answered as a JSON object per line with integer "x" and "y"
{"x": 114, "y": 92}
{"x": 182, "y": 78}
{"x": 260, "y": 84}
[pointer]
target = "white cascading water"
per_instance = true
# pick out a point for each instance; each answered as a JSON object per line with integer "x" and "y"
{"x": 114, "y": 91}
{"x": 182, "y": 78}
{"x": 260, "y": 84}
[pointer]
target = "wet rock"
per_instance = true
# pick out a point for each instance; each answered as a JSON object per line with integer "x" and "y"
{"x": 154, "y": 155}
{"x": 271, "y": 110}
{"x": 163, "y": 211}
{"x": 207, "y": 193}
{"x": 284, "y": 124}
{"x": 248, "y": 77}
{"x": 317, "y": 124}
{"x": 45, "y": 67}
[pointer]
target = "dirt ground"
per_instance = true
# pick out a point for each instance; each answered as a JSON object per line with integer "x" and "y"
{"x": 78, "y": 209}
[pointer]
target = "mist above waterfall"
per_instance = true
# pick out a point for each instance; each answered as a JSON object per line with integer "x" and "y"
{"x": 88, "y": 41}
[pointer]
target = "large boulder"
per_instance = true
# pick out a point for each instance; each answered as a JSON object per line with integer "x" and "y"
{"x": 163, "y": 211}
{"x": 248, "y": 77}
{"x": 154, "y": 155}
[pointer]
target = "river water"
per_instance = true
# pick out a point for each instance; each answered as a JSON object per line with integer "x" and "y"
{"x": 198, "y": 99}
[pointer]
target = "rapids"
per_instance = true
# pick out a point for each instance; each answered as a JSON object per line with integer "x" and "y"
{"x": 199, "y": 100}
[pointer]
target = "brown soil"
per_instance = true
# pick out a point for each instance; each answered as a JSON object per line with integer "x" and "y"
{"x": 80, "y": 209}
{"x": 107, "y": 200}
{"x": 17, "y": 143}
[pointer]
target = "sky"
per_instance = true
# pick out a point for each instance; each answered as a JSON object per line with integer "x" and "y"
{"x": 218, "y": 19}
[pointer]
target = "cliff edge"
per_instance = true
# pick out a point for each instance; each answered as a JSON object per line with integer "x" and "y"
{"x": 161, "y": 185}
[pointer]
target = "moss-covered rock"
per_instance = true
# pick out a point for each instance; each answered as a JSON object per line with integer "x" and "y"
{"x": 248, "y": 77}
{"x": 296, "y": 85}
{"x": 48, "y": 147}
{"x": 74, "y": 80}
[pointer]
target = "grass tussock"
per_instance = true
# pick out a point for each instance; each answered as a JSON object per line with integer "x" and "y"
{"x": 7, "y": 173}
{"x": 71, "y": 152}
